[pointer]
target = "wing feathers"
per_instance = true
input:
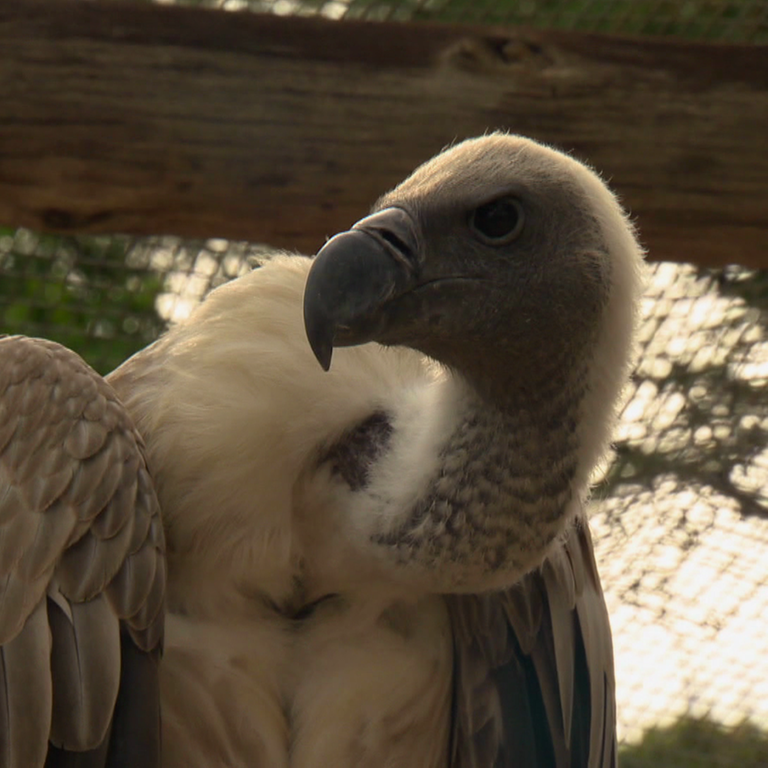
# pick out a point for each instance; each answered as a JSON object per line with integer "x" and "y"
{"x": 524, "y": 610}
{"x": 46, "y": 484}
{"x": 88, "y": 566}
{"x": 53, "y": 532}
{"x": 594, "y": 625}
{"x": 559, "y": 582}
{"x": 146, "y": 625}
{"x": 534, "y": 669}
{"x": 85, "y": 439}
{"x": 17, "y": 601}
{"x": 135, "y": 737}
{"x": 119, "y": 512}
{"x": 95, "y": 483}
{"x": 16, "y": 535}
{"x": 79, "y": 520}
{"x": 25, "y": 693}
{"x": 130, "y": 588}
{"x": 85, "y": 669}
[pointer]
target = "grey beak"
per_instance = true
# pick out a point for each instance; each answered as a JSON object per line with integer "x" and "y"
{"x": 353, "y": 277}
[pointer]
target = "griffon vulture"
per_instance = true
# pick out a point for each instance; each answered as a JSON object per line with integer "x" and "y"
{"x": 383, "y": 565}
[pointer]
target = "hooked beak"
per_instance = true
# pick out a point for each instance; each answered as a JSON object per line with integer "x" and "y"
{"x": 353, "y": 277}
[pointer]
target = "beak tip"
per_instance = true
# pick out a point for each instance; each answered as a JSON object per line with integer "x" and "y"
{"x": 319, "y": 335}
{"x": 324, "y": 356}
{"x": 323, "y": 352}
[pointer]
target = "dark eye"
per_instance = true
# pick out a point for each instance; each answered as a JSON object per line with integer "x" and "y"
{"x": 499, "y": 221}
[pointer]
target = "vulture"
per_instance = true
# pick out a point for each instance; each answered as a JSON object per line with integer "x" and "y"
{"x": 336, "y": 519}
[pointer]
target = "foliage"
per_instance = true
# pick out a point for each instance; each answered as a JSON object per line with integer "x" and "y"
{"x": 698, "y": 743}
{"x": 725, "y": 20}
{"x": 77, "y": 291}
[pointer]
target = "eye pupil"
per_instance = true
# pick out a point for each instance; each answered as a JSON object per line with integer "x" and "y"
{"x": 498, "y": 220}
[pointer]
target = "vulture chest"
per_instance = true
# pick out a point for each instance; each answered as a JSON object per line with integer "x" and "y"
{"x": 335, "y": 670}
{"x": 351, "y": 684}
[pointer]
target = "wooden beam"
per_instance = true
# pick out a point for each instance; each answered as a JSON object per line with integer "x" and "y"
{"x": 155, "y": 119}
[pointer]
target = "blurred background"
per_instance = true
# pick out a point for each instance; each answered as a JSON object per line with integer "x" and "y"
{"x": 681, "y": 512}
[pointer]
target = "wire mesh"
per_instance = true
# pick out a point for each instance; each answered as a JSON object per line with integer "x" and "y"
{"x": 682, "y": 520}
{"x": 681, "y": 510}
{"x": 725, "y": 20}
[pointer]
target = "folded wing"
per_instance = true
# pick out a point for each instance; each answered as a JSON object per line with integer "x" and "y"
{"x": 534, "y": 683}
{"x": 82, "y": 569}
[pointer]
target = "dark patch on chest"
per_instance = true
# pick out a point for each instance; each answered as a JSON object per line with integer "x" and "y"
{"x": 307, "y": 611}
{"x": 352, "y": 457}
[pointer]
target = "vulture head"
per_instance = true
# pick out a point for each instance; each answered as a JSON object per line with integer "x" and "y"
{"x": 507, "y": 262}
{"x": 510, "y": 263}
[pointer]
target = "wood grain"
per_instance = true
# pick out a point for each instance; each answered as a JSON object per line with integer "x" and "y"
{"x": 167, "y": 120}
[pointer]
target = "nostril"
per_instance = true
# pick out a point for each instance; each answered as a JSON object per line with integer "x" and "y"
{"x": 396, "y": 231}
{"x": 396, "y": 242}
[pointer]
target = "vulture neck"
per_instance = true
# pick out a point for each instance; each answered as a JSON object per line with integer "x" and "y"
{"x": 540, "y": 378}
{"x": 502, "y": 474}
{"x": 536, "y": 387}
{"x": 530, "y": 423}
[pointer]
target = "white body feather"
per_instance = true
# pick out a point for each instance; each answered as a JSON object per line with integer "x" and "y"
{"x": 365, "y": 681}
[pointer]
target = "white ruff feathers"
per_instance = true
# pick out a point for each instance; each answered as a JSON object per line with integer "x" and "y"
{"x": 235, "y": 408}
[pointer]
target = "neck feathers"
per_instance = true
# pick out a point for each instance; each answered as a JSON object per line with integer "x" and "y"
{"x": 467, "y": 496}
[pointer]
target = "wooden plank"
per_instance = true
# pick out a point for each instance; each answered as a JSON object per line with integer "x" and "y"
{"x": 154, "y": 119}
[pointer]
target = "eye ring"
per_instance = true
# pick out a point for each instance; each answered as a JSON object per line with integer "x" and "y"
{"x": 498, "y": 221}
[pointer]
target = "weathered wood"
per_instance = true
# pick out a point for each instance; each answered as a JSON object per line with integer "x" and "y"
{"x": 153, "y": 119}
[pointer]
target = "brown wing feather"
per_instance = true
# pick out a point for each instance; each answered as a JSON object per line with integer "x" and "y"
{"x": 81, "y": 552}
{"x": 534, "y": 684}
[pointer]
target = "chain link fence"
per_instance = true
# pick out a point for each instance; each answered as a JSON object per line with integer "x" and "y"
{"x": 681, "y": 511}
{"x": 726, "y": 20}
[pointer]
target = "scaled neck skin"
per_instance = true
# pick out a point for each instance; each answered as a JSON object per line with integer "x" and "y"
{"x": 478, "y": 477}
